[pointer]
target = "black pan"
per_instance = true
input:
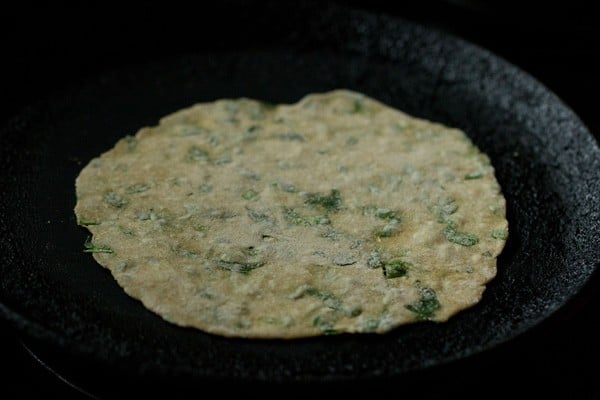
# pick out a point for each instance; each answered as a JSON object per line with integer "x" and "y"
{"x": 546, "y": 161}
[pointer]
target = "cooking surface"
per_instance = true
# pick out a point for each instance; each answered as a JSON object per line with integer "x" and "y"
{"x": 550, "y": 357}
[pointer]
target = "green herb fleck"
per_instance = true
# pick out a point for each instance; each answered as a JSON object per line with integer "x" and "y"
{"x": 200, "y": 228}
{"x": 252, "y": 131}
{"x": 325, "y": 325}
{"x": 195, "y": 153}
{"x": 291, "y": 137}
{"x": 445, "y": 207}
{"x": 250, "y": 195}
{"x": 191, "y": 131}
{"x": 204, "y": 188}
{"x": 389, "y": 230}
{"x": 380, "y": 212}
{"x": 487, "y": 254}
{"x": 474, "y": 175}
{"x": 181, "y": 252}
{"x": 223, "y": 160}
{"x": 126, "y": 231}
{"x": 374, "y": 260}
{"x": 329, "y": 299}
{"x": 286, "y": 165}
{"x": 333, "y": 235}
{"x": 333, "y": 202}
{"x": 115, "y": 200}
{"x": 175, "y": 181}
{"x": 240, "y": 267}
{"x": 385, "y": 213}
{"x": 137, "y": 188}
{"x": 292, "y": 217}
{"x": 371, "y": 325}
{"x": 132, "y": 143}
{"x": 286, "y": 187}
{"x": 267, "y": 105}
{"x": 243, "y": 324}
{"x": 259, "y": 217}
{"x": 427, "y": 306}
{"x": 462, "y": 238}
{"x": 395, "y": 269}
{"x": 89, "y": 247}
{"x": 248, "y": 174}
{"x": 499, "y": 234}
{"x": 358, "y": 106}
{"x": 269, "y": 320}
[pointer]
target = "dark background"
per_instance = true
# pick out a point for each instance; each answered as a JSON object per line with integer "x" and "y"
{"x": 47, "y": 48}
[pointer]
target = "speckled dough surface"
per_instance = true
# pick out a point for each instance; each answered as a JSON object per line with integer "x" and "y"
{"x": 335, "y": 214}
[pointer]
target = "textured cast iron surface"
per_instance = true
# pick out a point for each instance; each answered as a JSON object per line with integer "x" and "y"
{"x": 546, "y": 161}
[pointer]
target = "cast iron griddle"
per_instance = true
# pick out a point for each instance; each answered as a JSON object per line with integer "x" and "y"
{"x": 546, "y": 162}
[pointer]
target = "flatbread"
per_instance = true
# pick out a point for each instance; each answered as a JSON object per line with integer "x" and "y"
{"x": 335, "y": 214}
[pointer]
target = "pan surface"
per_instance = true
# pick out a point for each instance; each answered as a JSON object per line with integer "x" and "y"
{"x": 546, "y": 162}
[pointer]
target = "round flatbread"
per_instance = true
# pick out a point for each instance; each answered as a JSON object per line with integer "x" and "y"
{"x": 335, "y": 214}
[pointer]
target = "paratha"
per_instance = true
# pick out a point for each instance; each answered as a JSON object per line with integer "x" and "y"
{"x": 336, "y": 214}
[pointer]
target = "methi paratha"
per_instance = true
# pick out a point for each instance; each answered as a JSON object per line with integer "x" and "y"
{"x": 335, "y": 214}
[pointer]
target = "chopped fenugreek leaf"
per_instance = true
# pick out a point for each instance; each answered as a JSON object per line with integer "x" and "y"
{"x": 181, "y": 252}
{"x": 395, "y": 269}
{"x": 137, "y": 188}
{"x": 329, "y": 299}
{"x": 389, "y": 230}
{"x": 380, "y": 212}
{"x": 291, "y": 137}
{"x": 126, "y": 231}
{"x": 196, "y": 153}
{"x": 427, "y": 306}
{"x": 292, "y": 217}
{"x": 259, "y": 217}
{"x": 288, "y": 187}
{"x": 325, "y": 326}
{"x": 332, "y": 203}
{"x": 115, "y": 200}
{"x": 270, "y": 320}
{"x": 267, "y": 105}
{"x": 374, "y": 260}
{"x": 223, "y": 160}
{"x": 89, "y": 247}
{"x": 200, "y": 228}
{"x": 240, "y": 267}
{"x": 445, "y": 207}
{"x": 253, "y": 129}
{"x": 499, "y": 234}
{"x": 358, "y": 106}
{"x": 205, "y": 188}
{"x": 250, "y": 195}
{"x": 474, "y": 175}
{"x": 371, "y": 325}
{"x": 455, "y": 236}
{"x": 132, "y": 143}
